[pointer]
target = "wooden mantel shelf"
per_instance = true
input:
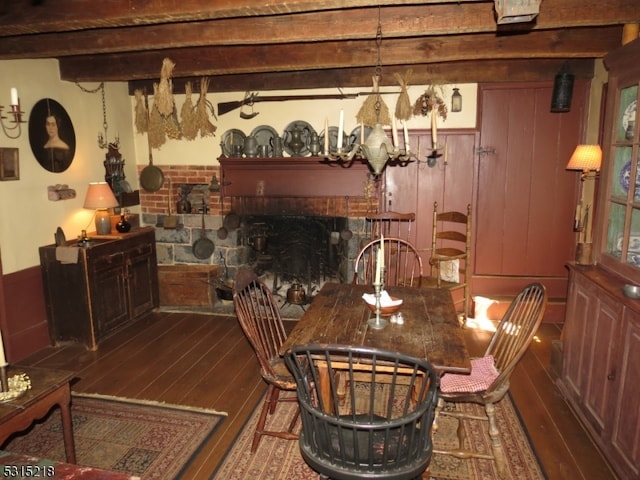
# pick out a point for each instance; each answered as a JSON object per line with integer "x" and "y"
{"x": 291, "y": 177}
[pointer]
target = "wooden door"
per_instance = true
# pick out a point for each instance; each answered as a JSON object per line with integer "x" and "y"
{"x": 526, "y": 199}
{"x": 414, "y": 187}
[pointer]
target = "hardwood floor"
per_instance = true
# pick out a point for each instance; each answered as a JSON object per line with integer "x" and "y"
{"x": 205, "y": 361}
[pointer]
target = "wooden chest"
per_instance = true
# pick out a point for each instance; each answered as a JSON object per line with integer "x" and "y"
{"x": 188, "y": 285}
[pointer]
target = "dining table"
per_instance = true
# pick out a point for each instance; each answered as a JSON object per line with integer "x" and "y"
{"x": 430, "y": 329}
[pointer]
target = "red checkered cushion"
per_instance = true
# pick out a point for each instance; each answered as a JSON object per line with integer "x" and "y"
{"x": 483, "y": 372}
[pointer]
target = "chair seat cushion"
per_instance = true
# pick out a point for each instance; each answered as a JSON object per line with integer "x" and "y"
{"x": 483, "y": 373}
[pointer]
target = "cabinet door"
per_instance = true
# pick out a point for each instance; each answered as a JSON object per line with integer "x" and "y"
{"x": 142, "y": 274}
{"x": 625, "y": 431}
{"x": 109, "y": 299}
{"x": 591, "y": 331}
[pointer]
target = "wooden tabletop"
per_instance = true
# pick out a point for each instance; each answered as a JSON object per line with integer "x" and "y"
{"x": 338, "y": 314}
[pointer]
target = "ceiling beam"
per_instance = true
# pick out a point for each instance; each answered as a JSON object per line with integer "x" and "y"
{"x": 353, "y": 24}
{"x": 225, "y": 60}
{"x": 423, "y": 74}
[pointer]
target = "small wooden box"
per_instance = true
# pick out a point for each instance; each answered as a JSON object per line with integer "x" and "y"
{"x": 188, "y": 285}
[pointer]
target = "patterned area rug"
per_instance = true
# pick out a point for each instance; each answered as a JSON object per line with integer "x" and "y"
{"x": 147, "y": 439}
{"x": 276, "y": 459}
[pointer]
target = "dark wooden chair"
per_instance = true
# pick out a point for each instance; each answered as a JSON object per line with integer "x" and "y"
{"x": 390, "y": 224}
{"x": 451, "y": 254}
{"x": 489, "y": 379}
{"x": 382, "y": 429}
{"x": 259, "y": 317}
{"x": 403, "y": 265}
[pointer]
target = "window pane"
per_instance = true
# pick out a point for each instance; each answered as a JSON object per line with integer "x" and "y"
{"x": 621, "y": 178}
{"x": 633, "y": 255}
{"x": 616, "y": 229}
{"x": 627, "y": 113}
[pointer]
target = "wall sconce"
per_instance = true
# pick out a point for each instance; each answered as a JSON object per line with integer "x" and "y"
{"x": 17, "y": 115}
{"x": 516, "y": 11}
{"x": 456, "y": 100}
{"x": 562, "y": 90}
{"x": 100, "y": 197}
{"x": 587, "y": 159}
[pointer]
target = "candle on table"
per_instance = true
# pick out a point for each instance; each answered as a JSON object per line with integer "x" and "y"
{"x": 326, "y": 135}
{"x": 378, "y": 264}
{"x": 434, "y": 129}
{"x": 340, "y": 129}
{"x": 14, "y": 96}
{"x": 394, "y": 131}
{"x": 381, "y": 254}
{"x": 406, "y": 136}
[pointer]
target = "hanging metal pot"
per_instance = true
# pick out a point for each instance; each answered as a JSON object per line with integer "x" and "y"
{"x": 151, "y": 177}
{"x": 203, "y": 247}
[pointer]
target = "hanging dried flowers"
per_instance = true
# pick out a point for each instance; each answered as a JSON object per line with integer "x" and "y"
{"x": 157, "y": 135}
{"x": 188, "y": 115}
{"x": 164, "y": 99}
{"x": 202, "y": 117}
{"x": 141, "y": 114}
{"x": 428, "y": 100}
{"x": 404, "y": 111}
{"x": 373, "y": 109}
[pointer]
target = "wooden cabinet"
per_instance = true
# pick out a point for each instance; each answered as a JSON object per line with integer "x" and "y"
{"x": 601, "y": 364}
{"x": 92, "y": 291}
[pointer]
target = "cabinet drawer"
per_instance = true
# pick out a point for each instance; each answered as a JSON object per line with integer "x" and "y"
{"x": 107, "y": 262}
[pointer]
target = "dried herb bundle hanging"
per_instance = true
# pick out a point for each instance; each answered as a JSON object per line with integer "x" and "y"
{"x": 141, "y": 114}
{"x": 164, "y": 99}
{"x": 189, "y": 123}
{"x": 429, "y": 100}
{"x": 373, "y": 109}
{"x": 404, "y": 110}
{"x": 206, "y": 127}
{"x": 157, "y": 136}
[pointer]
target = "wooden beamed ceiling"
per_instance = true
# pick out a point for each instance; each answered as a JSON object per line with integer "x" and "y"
{"x": 274, "y": 45}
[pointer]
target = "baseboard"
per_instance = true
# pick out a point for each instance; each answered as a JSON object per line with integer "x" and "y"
{"x": 497, "y": 306}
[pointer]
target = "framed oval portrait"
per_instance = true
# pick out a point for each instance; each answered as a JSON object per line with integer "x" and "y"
{"x": 51, "y": 135}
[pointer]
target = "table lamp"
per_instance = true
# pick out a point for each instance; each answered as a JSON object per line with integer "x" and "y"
{"x": 100, "y": 198}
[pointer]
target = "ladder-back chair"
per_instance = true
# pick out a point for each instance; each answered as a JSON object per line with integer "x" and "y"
{"x": 451, "y": 253}
{"x": 489, "y": 379}
{"x": 259, "y": 317}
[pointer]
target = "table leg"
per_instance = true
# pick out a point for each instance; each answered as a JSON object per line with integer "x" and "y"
{"x": 67, "y": 426}
{"x": 325, "y": 388}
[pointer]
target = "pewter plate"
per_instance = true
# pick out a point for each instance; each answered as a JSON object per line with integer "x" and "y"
{"x": 229, "y": 139}
{"x": 307, "y": 130}
{"x": 263, "y": 134}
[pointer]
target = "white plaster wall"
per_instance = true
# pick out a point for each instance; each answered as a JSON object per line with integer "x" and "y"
{"x": 28, "y": 219}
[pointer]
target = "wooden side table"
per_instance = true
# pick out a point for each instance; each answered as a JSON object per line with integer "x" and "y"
{"x": 48, "y": 389}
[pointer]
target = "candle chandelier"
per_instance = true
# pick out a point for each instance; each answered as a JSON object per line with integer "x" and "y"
{"x": 377, "y": 149}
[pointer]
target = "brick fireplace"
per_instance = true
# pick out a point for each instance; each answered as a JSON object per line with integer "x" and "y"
{"x": 302, "y": 241}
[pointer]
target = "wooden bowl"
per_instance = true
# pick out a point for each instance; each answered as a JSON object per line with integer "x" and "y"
{"x": 390, "y": 310}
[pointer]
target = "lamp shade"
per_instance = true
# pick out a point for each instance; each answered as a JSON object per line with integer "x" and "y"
{"x": 100, "y": 198}
{"x": 100, "y": 195}
{"x": 585, "y": 158}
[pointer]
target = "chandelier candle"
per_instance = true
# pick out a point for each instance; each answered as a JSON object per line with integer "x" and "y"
{"x": 406, "y": 137}
{"x": 434, "y": 128}
{"x": 340, "y": 129}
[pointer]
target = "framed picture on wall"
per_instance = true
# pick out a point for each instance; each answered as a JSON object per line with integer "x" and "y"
{"x": 9, "y": 164}
{"x": 51, "y": 135}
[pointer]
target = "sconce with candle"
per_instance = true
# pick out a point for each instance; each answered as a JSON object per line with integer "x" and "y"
{"x": 17, "y": 116}
{"x": 100, "y": 198}
{"x": 586, "y": 159}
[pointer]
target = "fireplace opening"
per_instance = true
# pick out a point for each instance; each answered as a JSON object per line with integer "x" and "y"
{"x": 296, "y": 251}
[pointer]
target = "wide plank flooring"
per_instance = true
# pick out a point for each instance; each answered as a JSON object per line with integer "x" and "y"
{"x": 205, "y": 361}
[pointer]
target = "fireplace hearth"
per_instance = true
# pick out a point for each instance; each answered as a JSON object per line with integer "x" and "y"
{"x": 295, "y": 250}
